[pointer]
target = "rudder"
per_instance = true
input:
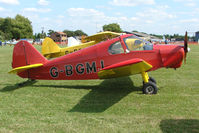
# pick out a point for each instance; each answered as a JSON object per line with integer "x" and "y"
{"x": 25, "y": 54}
{"x": 49, "y": 47}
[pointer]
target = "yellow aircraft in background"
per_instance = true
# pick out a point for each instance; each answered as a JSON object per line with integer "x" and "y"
{"x": 51, "y": 50}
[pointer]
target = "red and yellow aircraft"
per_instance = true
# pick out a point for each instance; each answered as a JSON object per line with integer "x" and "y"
{"x": 121, "y": 56}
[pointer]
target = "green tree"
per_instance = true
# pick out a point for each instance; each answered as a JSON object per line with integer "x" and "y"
{"x": 50, "y": 32}
{"x": 39, "y": 36}
{"x": 6, "y": 28}
{"x": 79, "y": 33}
{"x": 114, "y": 27}
{"x": 19, "y": 27}
{"x": 2, "y": 36}
{"x": 69, "y": 33}
{"x": 22, "y": 27}
{"x": 1, "y": 23}
{"x": 44, "y": 34}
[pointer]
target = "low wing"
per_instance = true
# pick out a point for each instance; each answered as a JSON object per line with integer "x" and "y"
{"x": 126, "y": 68}
{"x": 102, "y": 36}
{"x": 23, "y": 68}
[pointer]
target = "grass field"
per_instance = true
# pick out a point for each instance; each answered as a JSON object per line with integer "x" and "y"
{"x": 97, "y": 106}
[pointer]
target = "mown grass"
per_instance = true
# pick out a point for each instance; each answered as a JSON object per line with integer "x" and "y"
{"x": 114, "y": 105}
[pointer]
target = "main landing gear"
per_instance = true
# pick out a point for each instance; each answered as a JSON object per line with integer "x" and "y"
{"x": 149, "y": 84}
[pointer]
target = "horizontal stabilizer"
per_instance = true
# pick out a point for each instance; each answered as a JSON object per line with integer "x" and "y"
{"x": 23, "y": 68}
{"x": 126, "y": 68}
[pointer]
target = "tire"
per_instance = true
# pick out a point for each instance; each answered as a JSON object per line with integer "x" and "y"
{"x": 150, "y": 88}
{"x": 152, "y": 80}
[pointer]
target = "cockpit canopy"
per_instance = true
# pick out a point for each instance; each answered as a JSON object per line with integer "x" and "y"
{"x": 134, "y": 43}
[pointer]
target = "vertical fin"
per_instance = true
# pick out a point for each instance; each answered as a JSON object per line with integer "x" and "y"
{"x": 49, "y": 47}
{"x": 25, "y": 54}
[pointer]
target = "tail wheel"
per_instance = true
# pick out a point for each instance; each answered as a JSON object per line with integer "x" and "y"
{"x": 150, "y": 88}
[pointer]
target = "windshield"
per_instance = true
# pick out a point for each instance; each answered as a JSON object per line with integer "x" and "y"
{"x": 134, "y": 43}
{"x": 116, "y": 48}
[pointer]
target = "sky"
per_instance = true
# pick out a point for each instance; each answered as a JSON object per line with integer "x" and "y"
{"x": 150, "y": 16}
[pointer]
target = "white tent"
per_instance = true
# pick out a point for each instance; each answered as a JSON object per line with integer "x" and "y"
{"x": 72, "y": 41}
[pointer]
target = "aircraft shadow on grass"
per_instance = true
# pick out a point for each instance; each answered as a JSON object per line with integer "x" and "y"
{"x": 99, "y": 99}
{"x": 180, "y": 126}
{"x": 105, "y": 95}
{"x": 18, "y": 85}
{"x": 101, "y": 96}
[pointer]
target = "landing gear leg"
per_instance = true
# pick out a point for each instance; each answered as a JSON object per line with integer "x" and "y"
{"x": 149, "y": 86}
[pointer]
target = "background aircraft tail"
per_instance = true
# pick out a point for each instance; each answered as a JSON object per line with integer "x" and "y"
{"x": 49, "y": 47}
{"x": 25, "y": 57}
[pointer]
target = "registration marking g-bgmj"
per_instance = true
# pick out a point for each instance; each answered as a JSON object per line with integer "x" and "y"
{"x": 79, "y": 69}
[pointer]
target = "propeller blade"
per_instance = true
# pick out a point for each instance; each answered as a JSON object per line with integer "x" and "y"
{"x": 185, "y": 46}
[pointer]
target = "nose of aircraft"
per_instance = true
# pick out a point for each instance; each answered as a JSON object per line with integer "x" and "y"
{"x": 172, "y": 55}
{"x": 176, "y": 58}
{"x": 177, "y": 54}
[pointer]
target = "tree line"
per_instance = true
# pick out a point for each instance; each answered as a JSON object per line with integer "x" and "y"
{"x": 20, "y": 27}
{"x": 177, "y": 37}
{"x": 69, "y": 33}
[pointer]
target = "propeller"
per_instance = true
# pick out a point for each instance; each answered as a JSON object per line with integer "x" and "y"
{"x": 185, "y": 46}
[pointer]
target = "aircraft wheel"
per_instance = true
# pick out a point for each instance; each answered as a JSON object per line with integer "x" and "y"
{"x": 152, "y": 80}
{"x": 150, "y": 88}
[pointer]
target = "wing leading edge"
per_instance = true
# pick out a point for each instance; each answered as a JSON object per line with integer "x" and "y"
{"x": 126, "y": 68}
